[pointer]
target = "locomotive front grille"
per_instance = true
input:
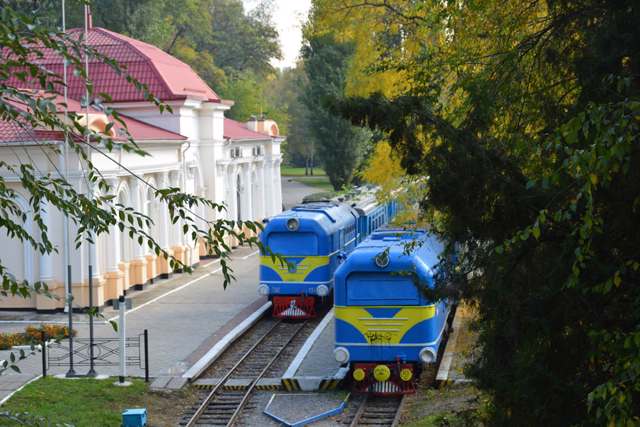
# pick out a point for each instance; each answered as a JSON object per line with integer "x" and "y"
{"x": 384, "y": 387}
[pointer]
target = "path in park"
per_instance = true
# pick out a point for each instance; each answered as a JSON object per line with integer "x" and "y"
{"x": 293, "y": 191}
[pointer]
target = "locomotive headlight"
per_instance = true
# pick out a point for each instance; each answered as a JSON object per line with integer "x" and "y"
{"x": 341, "y": 354}
{"x": 358, "y": 374}
{"x": 263, "y": 290}
{"x": 381, "y": 373}
{"x": 322, "y": 290}
{"x": 292, "y": 224}
{"x": 427, "y": 355}
{"x": 382, "y": 259}
{"x": 406, "y": 374}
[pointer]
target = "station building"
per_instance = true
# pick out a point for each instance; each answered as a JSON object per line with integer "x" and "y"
{"x": 195, "y": 148}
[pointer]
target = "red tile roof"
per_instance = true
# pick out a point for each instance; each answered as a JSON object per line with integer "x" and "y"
{"x": 12, "y": 132}
{"x": 237, "y": 130}
{"x": 139, "y": 131}
{"x": 166, "y": 77}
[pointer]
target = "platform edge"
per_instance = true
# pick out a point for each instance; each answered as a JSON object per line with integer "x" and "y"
{"x": 197, "y": 368}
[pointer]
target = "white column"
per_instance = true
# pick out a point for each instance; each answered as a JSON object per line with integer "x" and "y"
{"x": 247, "y": 215}
{"x": 262, "y": 191}
{"x": 176, "y": 235}
{"x": 46, "y": 260}
{"x": 114, "y": 251}
{"x": 164, "y": 220}
{"x": 233, "y": 190}
{"x": 93, "y": 257}
{"x": 138, "y": 204}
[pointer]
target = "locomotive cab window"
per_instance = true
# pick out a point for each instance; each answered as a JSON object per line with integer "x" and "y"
{"x": 299, "y": 244}
{"x": 381, "y": 289}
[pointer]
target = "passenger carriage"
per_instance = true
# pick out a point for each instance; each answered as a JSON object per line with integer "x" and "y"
{"x": 385, "y": 326}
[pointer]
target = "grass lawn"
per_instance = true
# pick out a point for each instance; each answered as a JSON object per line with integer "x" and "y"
{"x": 319, "y": 179}
{"x": 87, "y": 402}
{"x": 295, "y": 171}
{"x": 458, "y": 405}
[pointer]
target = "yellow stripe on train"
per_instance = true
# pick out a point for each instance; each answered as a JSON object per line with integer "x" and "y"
{"x": 387, "y": 330}
{"x": 300, "y": 267}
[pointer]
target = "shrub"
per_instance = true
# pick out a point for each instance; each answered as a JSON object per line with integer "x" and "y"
{"x": 8, "y": 340}
{"x": 56, "y": 332}
{"x": 33, "y": 335}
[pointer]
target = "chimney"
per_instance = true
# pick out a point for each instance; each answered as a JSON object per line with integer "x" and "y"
{"x": 89, "y": 17}
{"x": 252, "y": 123}
{"x": 263, "y": 125}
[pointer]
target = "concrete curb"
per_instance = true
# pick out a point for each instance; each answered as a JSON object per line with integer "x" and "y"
{"x": 197, "y": 368}
{"x": 449, "y": 352}
{"x": 306, "y": 347}
{"x": 10, "y": 395}
{"x": 315, "y": 383}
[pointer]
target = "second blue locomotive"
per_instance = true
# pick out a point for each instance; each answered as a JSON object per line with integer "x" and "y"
{"x": 386, "y": 327}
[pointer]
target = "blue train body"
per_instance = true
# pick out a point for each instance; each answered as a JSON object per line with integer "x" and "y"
{"x": 314, "y": 238}
{"x": 385, "y": 325}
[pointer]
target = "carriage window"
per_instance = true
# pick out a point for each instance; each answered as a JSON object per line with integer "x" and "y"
{"x": 299, "y": 244}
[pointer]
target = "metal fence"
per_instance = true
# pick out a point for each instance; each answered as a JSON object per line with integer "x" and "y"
{"x": 106, "y": 352}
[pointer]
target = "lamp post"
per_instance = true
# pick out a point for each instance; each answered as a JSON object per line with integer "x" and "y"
{"x": 92, "y": 372}
{"x": 67, "y": 258}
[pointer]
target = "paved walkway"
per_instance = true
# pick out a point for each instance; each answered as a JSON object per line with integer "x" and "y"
{"x": 294, "y": 191}
{"x": 182, "y": 315}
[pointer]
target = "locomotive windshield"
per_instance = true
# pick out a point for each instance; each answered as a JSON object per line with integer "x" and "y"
{"x": 381, "y": 289}
{"x": 296, "y": 244}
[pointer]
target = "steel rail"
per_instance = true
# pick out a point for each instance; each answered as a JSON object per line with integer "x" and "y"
{"x": 203, "y": 407}
{"x": 396, "y": 419}
{"x": 253, "y": 384}
{"x": 359, "y": 412}
{"x": 362, "y": 410}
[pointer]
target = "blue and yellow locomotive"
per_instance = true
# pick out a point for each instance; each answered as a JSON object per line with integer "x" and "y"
{"x": 314, "y": 238}
{"x": 385, "y": 325}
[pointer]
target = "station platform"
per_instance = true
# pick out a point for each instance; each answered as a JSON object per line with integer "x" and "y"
{"x": 314, "y": 367}
{"x": 461, "y": 348}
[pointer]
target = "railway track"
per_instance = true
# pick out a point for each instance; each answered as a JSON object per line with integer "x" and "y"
{"x": 380, "y": 411}
{"x": 221, "y": 407}
{"x": 386, "y": 411}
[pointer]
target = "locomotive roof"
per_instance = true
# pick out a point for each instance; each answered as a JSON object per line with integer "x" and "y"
{"x": 402, "y": 243}
{"x": 327, "y": 215}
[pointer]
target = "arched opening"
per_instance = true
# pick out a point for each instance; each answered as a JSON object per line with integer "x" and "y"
{"x": 238, "y": 198}
{"x": 19, "y": 258}
{"x": 256, "y": 199}
{"x": 152, "y": 210}
{"x": 125, "y": 240}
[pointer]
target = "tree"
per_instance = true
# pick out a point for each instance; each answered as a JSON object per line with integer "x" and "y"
{"x": 300, "y": 143}
{"x": 339, "y": 144}
{"x": 241, "y": 42}
{"x": 525, "y": 121}
{"x": 23, "y": 37}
